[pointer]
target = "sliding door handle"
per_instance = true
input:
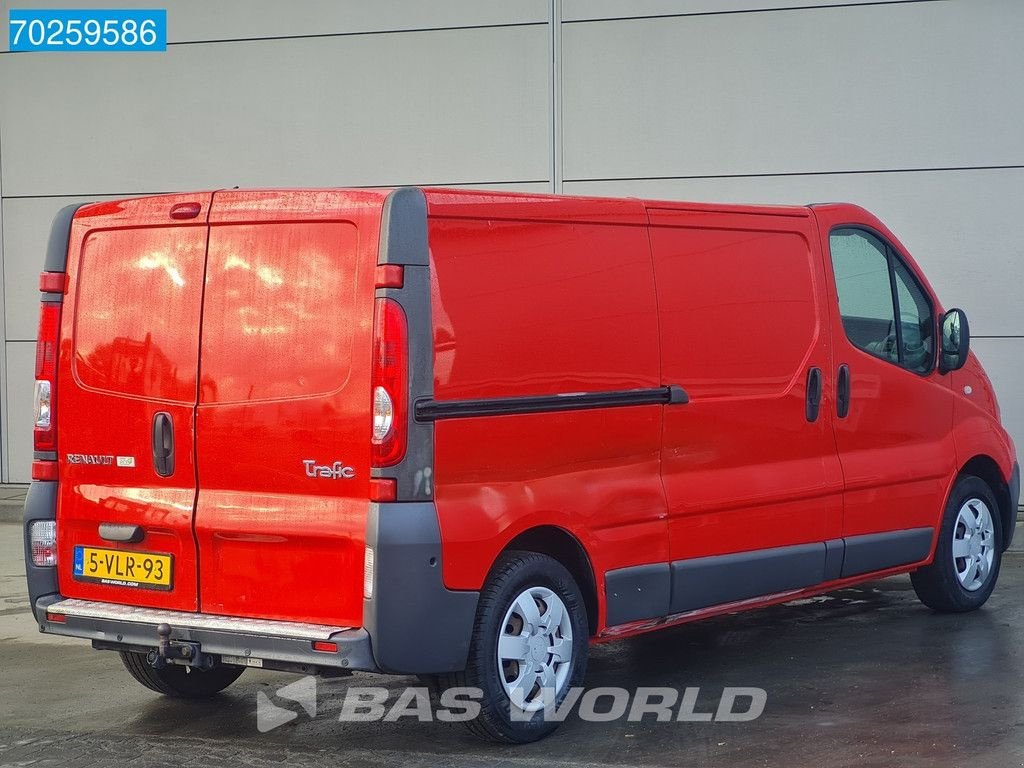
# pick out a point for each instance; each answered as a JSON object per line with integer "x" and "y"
{"x": 813, "y": 404}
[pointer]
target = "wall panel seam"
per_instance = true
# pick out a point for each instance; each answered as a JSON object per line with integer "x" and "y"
{"x": 780, "y": 174}
{"x": 5, "y": 407}
{"x": 743, "y": 11}
{"x": 556, "y": 96}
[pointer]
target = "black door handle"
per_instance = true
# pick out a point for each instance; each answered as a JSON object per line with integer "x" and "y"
{"x": 843, "y": 391}
{"x": 813, "y": 404}
{"x": 163, "y": 444}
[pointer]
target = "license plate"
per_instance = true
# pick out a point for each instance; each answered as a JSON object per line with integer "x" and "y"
{"x": 118, "y": 568}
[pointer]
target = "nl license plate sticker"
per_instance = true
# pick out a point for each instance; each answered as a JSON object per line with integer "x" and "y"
{"x": 118, "y": 568}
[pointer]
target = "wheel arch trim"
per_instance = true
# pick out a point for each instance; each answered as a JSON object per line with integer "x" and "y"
{"x": 1004, "y": 488}
{"x": 565, "y": 547}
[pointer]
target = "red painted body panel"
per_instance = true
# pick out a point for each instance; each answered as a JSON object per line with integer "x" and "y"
{"x": 743, "y": 468}
{"x": 977, "y": 430}
{"x": 896, "y": 445}
{"x": 129, "y": 349}
{"x": 540, "y": 307}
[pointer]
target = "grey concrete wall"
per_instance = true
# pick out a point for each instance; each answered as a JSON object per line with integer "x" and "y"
{"x": 909, "y": 108}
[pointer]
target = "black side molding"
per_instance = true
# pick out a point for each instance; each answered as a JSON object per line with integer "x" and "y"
{"x": 664, "y": 589}
{"x": 877, "y": 551}
{"x": 637, "y": 592}
{"x": 718, "y": 579}
{"x": 434, "y": 410}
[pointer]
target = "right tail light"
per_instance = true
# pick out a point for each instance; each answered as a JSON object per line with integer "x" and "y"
{"x": 389, "y": 383}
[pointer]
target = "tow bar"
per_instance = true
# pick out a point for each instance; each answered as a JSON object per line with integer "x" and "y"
{"x": 181, "y": 652}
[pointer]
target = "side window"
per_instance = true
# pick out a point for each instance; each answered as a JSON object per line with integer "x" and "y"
{"x": 917, "y": 326}
{"x": 885, "y": 312}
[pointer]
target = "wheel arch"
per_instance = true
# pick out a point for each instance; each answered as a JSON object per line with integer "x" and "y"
{"x": 564, "y": 547}
{"x": 986, "y": 468}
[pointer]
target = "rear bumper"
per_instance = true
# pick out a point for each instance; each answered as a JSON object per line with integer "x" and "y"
{"x": 413, "y": 624}
{"x": 247, "y": 642}
{"x": 40, "y": 504}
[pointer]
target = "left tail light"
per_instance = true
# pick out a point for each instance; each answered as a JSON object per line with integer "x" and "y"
{"x": 42, "y": 538}
{"x": 45, "y": 432}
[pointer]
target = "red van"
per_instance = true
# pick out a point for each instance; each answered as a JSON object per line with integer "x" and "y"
{"x": 464, "y": 434}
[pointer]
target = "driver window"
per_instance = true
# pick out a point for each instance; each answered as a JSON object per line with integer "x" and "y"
{"x": 861, "y": 268}
{"x": 875, "y": 288}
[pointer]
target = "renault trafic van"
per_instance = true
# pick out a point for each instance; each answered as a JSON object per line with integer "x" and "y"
{"x": 464, "y": 434}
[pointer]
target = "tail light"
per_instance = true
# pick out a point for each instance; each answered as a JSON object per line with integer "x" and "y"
{"x": 46, "y": 377}
{"x": 42, "y": 538}
{"x": 390, "y": 383}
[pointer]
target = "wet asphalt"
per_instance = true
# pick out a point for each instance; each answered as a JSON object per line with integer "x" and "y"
{"x": 861, "y": 677}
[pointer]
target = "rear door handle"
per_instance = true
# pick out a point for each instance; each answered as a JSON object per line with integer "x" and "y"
{"x": 124, "y": 532}
{"x": 843, "y": 391}
{"x": 813, "y": 404}
{"x": 163, "y": 444}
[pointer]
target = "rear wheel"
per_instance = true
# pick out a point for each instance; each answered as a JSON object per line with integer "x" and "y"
{"x": 969, "y": 552}
{"x": 529, "y": 647}
{"x": 177, "y": 681}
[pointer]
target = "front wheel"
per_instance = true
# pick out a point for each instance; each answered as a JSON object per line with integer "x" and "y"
{"x": 968, "y": 554}
{"x": 529, "y": 648}
{"x": 177, "y": 681}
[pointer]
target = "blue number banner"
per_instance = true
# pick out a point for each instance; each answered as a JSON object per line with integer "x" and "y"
{"x": 87, "y": 30}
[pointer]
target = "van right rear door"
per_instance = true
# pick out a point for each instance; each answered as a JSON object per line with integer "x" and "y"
{"x": 283, "y": 419}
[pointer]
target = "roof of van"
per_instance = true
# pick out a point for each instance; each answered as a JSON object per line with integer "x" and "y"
{"x": 482, "y": 203}
{"x": 475, "y": 203}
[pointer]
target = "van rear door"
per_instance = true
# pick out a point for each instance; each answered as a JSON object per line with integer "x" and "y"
{"x": 126, "y": 394}
{"x": 283, "y": 420}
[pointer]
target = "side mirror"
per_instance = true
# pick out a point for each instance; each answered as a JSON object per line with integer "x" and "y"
{"x": 956, "y": 341}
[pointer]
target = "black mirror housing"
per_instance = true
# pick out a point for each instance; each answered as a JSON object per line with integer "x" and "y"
{"x": 956, "y": 341}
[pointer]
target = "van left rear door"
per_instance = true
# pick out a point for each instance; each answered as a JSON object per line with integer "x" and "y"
{"x": 126, "y": 386}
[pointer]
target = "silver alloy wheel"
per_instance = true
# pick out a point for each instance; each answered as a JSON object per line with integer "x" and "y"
{"x": 535, "y": 648}
{"x": 973, "y": 544}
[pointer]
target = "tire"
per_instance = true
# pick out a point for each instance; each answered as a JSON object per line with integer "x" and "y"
{"x": 517, "y": 581}
{"x": 177, "y": 681}
{"x": 962, "y": 581}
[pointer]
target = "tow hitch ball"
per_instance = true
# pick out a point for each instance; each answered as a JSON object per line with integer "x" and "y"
{"x": 181, "y": 652}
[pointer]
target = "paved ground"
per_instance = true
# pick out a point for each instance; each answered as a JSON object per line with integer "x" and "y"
{"x": 12, "y": 503}
{"x": 862, "y": 677}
